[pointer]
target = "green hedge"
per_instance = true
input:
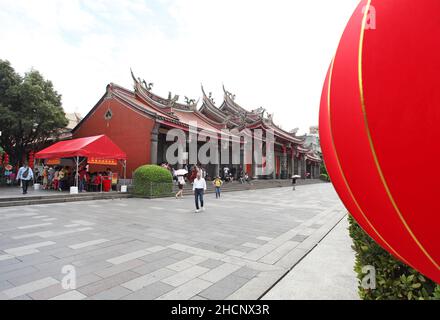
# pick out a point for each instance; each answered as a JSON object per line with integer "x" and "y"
{"x": 152, "y": 181}
{"x": 394, "y": 279}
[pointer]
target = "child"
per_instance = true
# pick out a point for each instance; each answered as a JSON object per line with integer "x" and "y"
{"x": 217, "y": 184}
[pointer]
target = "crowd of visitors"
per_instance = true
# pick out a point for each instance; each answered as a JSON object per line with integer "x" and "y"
{"x": 58, "y": 178}
{"x": 197, "y": 175}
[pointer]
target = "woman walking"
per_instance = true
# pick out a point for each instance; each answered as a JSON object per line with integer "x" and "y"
{"x": 294, "y": 178}
{"x": 180, "y": 184}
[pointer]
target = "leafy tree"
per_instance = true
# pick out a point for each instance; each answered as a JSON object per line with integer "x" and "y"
{"x": 30, "y": 111}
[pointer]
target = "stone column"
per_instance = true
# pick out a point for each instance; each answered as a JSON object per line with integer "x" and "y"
{"x": 154, "y": 143}
{"x": 292, "y": 161}
{"x": 283, "y": 164}
{"x": 217, "y": 165}
{"x": 303, "y": 166}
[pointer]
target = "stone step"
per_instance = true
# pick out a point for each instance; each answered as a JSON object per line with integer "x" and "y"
{"x": 260, "y": 184}
{"x": 33, "y": 200}
{"x": 64, "y": 197}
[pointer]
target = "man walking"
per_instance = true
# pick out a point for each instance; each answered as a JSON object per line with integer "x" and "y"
{"x": 199, "y": 187}
{"x": 25, "y": 175}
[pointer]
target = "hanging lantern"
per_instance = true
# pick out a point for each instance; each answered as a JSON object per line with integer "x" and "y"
{"x": 380, "y": 97}
{"x": 31, "y": 159}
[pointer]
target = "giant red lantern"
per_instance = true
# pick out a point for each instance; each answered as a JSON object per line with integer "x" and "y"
{"x": 380, "y": 126}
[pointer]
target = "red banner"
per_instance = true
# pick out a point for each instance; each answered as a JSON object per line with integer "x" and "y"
{"x": 106, "y": 162}
{"x": 53, "y": 161}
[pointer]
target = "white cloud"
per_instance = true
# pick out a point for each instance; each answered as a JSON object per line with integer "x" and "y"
{"x": 273, "y": 54}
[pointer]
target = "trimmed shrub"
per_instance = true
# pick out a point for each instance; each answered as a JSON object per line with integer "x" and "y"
{"x": 324, "y": 177}
{"x": 394, "y": 279}
{"x": 152, "y": 181}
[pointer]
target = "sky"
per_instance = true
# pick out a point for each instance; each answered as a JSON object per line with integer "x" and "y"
{"x": 273, "y": 54}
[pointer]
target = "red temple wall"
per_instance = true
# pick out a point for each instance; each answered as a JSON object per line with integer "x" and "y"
{"x": 127, "y": 128}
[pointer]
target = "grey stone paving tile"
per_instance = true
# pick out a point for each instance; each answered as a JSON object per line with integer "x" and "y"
{"x": 279, "y": 252}
{"x": 17, "y": 273}
{"x": 23, "y": 297}
{"x": 70, "y": 295}
{"x": 184, "y": 276}
{"x": 47, "y": 293}
{"x": 292, "y": 258}
{"x": 220, "y": 272}
{"x": 92, "y": 268}
{"x": 211, "y": 263}
{"x": 187, "y": 290}
{"x": 159, "y": 255}
{"x": 115, "y": 269}
{"x": 114, "y": 293}
{"x": 12, "y": 263}
{"x": 223, "y": 288}
{"x": 181, "y": 255}
{"x": 29, "y": 287}
{"x": 148, "y": 279}
{"x": 86, "y": 279}
{"x": 22, "y": 279}
{"x": 256, "y": 287}
{"x": 197, "y": 297}
{"x": 107, "y": 283}
{"x": 299, "y": 238}
{"x": 5, "y": 285}
{"x": 155, "y": 265}
{"x": 211, "y": 247}
{"x": 246, "y": 273}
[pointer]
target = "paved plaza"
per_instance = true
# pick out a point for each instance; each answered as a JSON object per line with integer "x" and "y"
{"x": 238, "y": 248}
{"x": 326, "y": 273}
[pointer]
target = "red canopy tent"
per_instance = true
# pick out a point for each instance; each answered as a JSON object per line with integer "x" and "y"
{"x": 100, "y": 147}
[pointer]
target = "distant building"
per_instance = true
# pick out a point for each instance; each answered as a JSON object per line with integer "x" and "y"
{"x": 312, "y": 142}
{"x": 74, "y": 119}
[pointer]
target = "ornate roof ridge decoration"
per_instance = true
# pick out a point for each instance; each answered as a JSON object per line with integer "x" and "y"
{"x": 230, "y": 114}
{"x": 143, "y": 89}
{"x": 229, "y": 100}
{"x": 209, "y": 107}
{"x": 138, "y": 104}
{"x": 209, "y": 100}
{"x": 269, "y": 125}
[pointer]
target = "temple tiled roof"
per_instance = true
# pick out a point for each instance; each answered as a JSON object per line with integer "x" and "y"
{"x": 230, "y": 115}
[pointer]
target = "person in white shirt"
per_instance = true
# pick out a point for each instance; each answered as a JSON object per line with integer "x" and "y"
{"x": 25, "y": 174}
{"x": 199, "y": 188}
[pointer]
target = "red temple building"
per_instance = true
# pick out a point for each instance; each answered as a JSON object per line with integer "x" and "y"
{"x": 138, "y": 121}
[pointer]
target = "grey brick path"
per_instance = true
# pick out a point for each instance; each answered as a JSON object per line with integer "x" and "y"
{"x": 160, "y": 249}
